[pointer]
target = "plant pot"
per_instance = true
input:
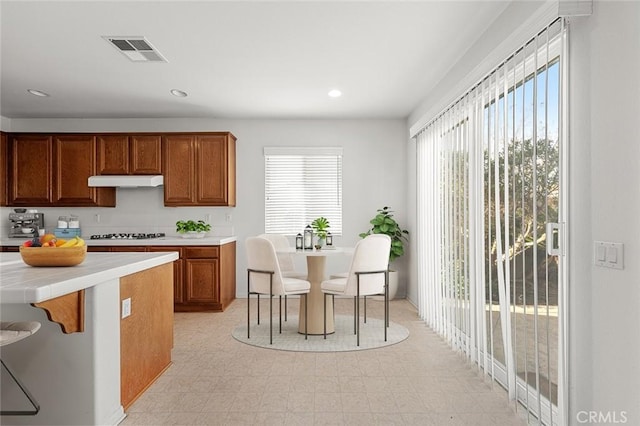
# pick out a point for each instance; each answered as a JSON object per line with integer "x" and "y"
{"x": 393, "y": 286}
{"x": 193, "y": 234}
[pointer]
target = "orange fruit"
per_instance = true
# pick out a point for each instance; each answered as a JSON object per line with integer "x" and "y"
{"x": 60, "y": 241}
{"x": 46, "y": 238}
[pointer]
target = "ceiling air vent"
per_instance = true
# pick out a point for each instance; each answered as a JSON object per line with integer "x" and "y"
{"x": 137, "y": 49}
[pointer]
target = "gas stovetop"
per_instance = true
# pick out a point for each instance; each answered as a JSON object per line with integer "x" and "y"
{"x": 127, "y": 236}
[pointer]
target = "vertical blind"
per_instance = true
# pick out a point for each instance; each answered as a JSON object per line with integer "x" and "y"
{"x": 301, "y": 184}
{"x": 488, "y": 182}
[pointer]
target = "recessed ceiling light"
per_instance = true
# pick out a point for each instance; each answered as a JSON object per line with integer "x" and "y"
{"x": 38, "y": 93}
{"x": 335, "y": 93}
{"x": 179, "y": 93}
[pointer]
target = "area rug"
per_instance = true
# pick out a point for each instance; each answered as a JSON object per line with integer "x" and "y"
{"x": 371, "y": 335}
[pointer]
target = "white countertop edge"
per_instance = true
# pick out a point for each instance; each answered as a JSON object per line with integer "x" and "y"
{"x": 166, "y": 241}
{"x": 93, "y": 275}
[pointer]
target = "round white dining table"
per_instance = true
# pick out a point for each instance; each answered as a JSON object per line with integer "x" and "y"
{"x": 316, "y": 273}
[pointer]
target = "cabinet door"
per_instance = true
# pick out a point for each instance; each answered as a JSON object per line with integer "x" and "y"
{"x": 212, "y": 170}
{"x": 178, "y": 272}
{"x": 4, "y": 172}
{"x": 178, "y": 166}
{"x": 202, "y": 280}
{"x": 145, "y": 154}
{"x": 113, "y": 154}
{"x": 30, "y": 176}
{"x": 74, "y": 161}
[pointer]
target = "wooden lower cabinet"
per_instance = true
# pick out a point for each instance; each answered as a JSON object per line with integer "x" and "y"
{"x": 178, "y": 272}
{"x": 204, "y": 276}
{"x": 209, "y": 278}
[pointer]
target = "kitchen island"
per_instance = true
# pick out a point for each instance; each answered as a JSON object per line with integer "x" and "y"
{"x": 204, "y": 273}
{"x": 90, "y": 359}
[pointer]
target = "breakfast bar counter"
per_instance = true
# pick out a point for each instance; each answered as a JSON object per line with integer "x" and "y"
{"x": 90, "y": 374}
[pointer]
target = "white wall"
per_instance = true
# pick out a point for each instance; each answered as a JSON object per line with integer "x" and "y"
{"x": 605, "y": 201}
{"x": 604, "y": 197}
{"x": 373, "y": 176}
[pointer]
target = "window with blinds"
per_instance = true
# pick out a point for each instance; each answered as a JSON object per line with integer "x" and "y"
{"x": 301, "y": 184}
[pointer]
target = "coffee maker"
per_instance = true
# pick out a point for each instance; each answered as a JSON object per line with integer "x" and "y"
{"x": 25, "y": 223}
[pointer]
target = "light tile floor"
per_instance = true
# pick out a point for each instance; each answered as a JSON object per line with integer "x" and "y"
{"x": 216, "y": 380}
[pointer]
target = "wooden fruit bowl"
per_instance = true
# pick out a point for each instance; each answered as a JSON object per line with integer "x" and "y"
{"x": 53, "y": 256}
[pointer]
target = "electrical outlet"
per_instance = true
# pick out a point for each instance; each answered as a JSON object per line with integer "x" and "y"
{"x": 207, "y": 218}
{"x": 126, "y": 307}
{"x": 97, "y": 218}
{"x": 229, "y": 218}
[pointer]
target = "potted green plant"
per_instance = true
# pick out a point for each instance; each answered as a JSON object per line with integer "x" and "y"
{"x": 192, "y": 228}
{"x": 384, "y": 223}
{"x": 320, "y": 226}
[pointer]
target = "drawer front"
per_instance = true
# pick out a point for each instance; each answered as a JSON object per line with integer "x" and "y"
{"x": 166, "y": 248}
{"x": 127, "y": 248}
{"x": 201, "y": 252}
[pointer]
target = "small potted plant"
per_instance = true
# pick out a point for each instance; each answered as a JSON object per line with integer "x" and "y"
{"x": 192, "y": 228}
{"x": 320, "y": 226}
{"x": 384, "y": 223}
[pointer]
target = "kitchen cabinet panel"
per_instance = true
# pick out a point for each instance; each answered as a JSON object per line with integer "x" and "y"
{"x": 74, "y": 162}
{"x": 146, "y": 335}
{"x": 98, "y": 249}
{"x": 199, "y": 169}
{"x": 125, "y": 249}
{"x": 30, "y": 170}
{"x": 52, "y": 171}
{"x": 209, "y": 278}
{"x": 146, "y": 154}
{"x": 197, "y": 252}
{"x": 178, "y": 167}
{"x": 4, "y": 169}
{"x": 178, "y": 272}
{"x": 213, "y": 166}
{"x": 202, "y": 277}
{"x": 129, "y": 154}
{"x": 113, "y": 154}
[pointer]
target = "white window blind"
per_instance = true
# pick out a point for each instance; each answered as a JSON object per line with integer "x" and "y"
{"x": 488, "y": 183}
{"x": 301, "y": 184}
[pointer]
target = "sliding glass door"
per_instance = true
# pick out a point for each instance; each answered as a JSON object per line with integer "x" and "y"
{"x": 489, "y": 188}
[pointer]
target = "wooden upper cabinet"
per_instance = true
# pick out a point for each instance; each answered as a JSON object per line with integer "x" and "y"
{"x": 52, "y": 170}
{"x": 216, "y": 165}
{"x": 199, "y": 169}
{"x": 113, "y": 154}
{"x": 124, "y": 155}
{"x": 146, "y": 155}
{"x": 4, "y": 169}
{"x": 30, "y": 170}
{"x": 178, "y": 166}
{"x": 74, "y": 161}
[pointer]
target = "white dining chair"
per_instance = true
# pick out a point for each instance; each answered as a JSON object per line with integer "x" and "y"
{"x": 12, "y": 332}
{"x": 368, "y": 275}
{"x": 264, "y": 276}
{"x": 287, "y": 264}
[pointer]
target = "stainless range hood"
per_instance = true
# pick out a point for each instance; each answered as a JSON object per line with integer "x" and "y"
{"x": 126, "y": 181}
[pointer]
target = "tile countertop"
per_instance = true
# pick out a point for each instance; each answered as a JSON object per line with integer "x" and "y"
{"x": 21, "y": 283}
{"x": 169, "y": 240}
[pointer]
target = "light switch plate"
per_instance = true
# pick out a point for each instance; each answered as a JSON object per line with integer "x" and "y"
{"x": 608, "y": 255}
{"x": 126, "y": 307}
